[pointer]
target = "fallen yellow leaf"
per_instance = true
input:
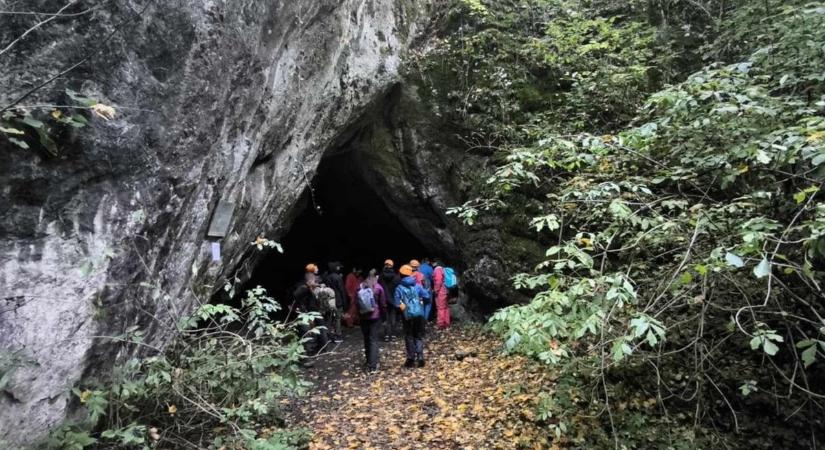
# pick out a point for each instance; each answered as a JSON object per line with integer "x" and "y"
{"x": 105, "y": 112}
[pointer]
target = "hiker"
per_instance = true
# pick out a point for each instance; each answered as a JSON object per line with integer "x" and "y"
{"x": 335, "y": 280}
{"x": 305, "y": 301}
{"x": 371, "y": 300}
{"x": 422, "y": 281}
{"x": 351, "y": 284}
{"x": 441, "y": 293}
{"x": 411, "y": 298}
{"x": 390, "y": 318}
{"x": 326, "y": 304}
{"x": 419, "y": 277}
{"x": 426, "y": 269}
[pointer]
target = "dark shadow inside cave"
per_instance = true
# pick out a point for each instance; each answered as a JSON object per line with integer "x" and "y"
{"x": 342, "y": 219}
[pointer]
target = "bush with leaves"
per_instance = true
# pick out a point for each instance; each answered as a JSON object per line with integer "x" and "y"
{"x": 681, "y": 298}
{"x": 218, "y": 386}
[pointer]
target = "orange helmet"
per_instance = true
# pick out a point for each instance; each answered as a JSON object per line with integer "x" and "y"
{"x": 406, "y": 270}
{"x": 389, "y": 263}
{"x": 311, "y": 268}
{"x": 415, "y": 264}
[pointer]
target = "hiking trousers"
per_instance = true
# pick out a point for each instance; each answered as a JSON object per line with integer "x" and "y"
{"x": 333, "y": 318}
{"x": 391, "y": 320}
{"x": 369, "y": 328}
{"x": 442, "y": 309}
{"x": 414, "y": 338}
{"x": 428, "y": 310}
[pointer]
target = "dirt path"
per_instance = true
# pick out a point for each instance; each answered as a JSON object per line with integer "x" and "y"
{"x": 478, "y": 401}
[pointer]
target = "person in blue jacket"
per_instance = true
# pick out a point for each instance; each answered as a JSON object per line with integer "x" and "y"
{"x": 427, "y": 270}
{"x": 410, "y": 298}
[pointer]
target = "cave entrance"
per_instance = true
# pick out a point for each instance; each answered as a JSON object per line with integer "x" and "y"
{"x": 342, "y": 218}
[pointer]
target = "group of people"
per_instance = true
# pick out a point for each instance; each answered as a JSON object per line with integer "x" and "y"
{"x": 377, "y": 301}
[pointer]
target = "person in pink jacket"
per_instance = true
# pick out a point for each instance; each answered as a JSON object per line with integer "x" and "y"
{"x": 442, "y": 306}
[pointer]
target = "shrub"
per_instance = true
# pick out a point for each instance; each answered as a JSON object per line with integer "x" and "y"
{"x": 217, "y": 386}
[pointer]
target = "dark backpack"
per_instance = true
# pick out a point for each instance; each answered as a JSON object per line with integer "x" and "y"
{"x": 414, "y": 307}
{"x": 366, "y": 300}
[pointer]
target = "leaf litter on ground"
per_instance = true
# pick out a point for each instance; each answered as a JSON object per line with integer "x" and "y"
{"x": 469, "y": 395}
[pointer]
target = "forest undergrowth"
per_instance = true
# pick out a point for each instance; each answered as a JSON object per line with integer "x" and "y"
{"x": 668, "y": 155}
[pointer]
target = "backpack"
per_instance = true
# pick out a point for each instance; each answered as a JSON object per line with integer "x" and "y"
{"x": 326, "y": 298}
{"x": 366, "y": 300}
{"x": 414, "y": 307}
{"x": 450, "y": 279}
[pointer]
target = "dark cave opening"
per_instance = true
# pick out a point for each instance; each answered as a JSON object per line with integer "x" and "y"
{"x": 343, "y": 218}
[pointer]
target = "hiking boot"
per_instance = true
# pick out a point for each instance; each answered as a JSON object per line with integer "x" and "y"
{"x": 338, "y": 339}
{"x": 386, "y": 338}
{"x": 409, "y": 363}
{"x": 420, "y": 363}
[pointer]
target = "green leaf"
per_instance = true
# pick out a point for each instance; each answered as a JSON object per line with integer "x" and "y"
{"x": 748, "y": 387}
{"x": 769, "y": 347}
{"x": 19, "y": 143}
{"x": 32, "y": 122}
{"x": 763, "y": 156}
{"x": 620, "y": 349}
{"x": 639, "y": 325}
{"x": 85, "y": 101}
{"x": 78, "y": 121}
{"x": 46, "y": 141}
{"x": 619, "y": 210}
{"x": 755, "y": 342}
{"x": 734, "y": 260}
{"x": 11, "y": 130}
{"x": 763, "y": 269}
{"x": 809, "y": 356}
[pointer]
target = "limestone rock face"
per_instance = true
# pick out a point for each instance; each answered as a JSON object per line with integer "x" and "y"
{"x": 233, "y": 100}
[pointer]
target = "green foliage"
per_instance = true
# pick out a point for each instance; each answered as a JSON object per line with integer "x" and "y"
{"x": 685, "y": 251}
{"x": 511, "y": 70}
{"x": 40, "y": 125}
{"x": 226, "y": 373}
{"x": 70, "y": 438}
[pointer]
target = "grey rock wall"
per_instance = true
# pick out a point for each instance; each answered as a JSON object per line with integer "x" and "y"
{"x": 234, "y": 100}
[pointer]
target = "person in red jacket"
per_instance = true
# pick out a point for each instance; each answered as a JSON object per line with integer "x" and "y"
{"x": 351, "y": 284}
{"x": 442, "y": 306}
